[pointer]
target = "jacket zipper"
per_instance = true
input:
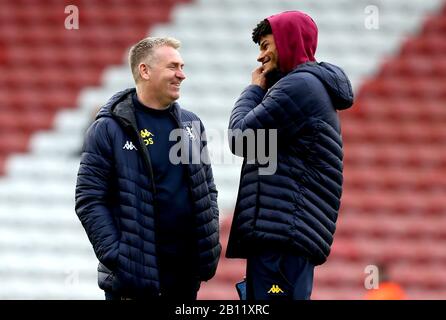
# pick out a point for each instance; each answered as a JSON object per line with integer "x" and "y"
{"x": 148, "y": 163}
{"x": 178, "y": 122}
{"x": 189, "y": 186}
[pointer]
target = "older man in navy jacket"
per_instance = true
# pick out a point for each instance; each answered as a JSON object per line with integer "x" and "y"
{"x": 284, "y": 223}
{"x": 152, "y": 219}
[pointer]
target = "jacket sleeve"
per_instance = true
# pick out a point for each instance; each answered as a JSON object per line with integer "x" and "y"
{"x": 283, "y": 108}
{"x": 209, "y": 176}
{"x": 93, "y": 192}
{"x": 213, "y": 190}
{"x": 212, "y": 255}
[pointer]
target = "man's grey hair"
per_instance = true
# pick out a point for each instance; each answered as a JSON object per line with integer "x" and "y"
{"x": 144, "y": 49}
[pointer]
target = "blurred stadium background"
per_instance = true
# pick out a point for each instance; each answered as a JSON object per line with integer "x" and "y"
{"x": 52, "y": 80}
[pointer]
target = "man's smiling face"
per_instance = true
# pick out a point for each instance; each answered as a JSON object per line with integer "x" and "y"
{"x": 166, "y": 74}
{"x": 268, "y": 56}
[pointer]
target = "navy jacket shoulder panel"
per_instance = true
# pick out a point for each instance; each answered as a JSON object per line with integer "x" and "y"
{"x": 98, "y": 138}
{"x": 187, "y": 115}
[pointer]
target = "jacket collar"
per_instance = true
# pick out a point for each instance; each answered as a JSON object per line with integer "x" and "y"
{"x": 125, "y": 110}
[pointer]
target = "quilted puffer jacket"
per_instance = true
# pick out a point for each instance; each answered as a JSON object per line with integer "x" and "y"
{"x": 296, "y": 208}
{"x": 115, "y": 194}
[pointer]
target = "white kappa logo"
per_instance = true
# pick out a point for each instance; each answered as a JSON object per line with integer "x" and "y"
{"x": 129, "y": 146}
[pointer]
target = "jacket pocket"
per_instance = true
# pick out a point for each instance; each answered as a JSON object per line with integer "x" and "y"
{"x": 105, "y": 277}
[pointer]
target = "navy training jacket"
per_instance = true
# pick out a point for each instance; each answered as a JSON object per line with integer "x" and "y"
{"x": 115, "y": 195}
{"x": 295, "y": 209}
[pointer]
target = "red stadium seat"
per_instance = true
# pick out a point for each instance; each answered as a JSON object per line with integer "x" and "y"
{"x": 433, "y": 25}
{"x": 13, "y": 142}
{"x": 217, "y": 290}
{"x": 429, "y": 45}
{"x": 24, "y": 122}
{"x": 9, "y": 121}
{"x": 231, "y": 270}
{"x": 393, "y": 178}
{"x": 339, "y": 274}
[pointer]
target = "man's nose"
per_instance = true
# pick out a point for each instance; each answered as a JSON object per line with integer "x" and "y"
{"x": 260, "y": 57}
{"x": 181, "y": 75}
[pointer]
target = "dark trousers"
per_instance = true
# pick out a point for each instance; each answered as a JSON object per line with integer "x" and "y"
{"x": 176, "y": 283}
{"x": 272, "y": 275}
{"x": 185, "y": 290}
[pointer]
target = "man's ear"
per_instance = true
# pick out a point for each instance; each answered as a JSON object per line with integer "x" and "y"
{"x": 144, "y": 71}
